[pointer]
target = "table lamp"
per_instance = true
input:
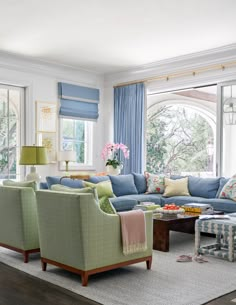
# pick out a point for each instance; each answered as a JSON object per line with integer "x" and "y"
{"x": 67, "y": 156}
{"x": 33, "y": 155}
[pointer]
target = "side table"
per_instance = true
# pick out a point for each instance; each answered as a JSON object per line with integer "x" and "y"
{"x": 225, "y": 231}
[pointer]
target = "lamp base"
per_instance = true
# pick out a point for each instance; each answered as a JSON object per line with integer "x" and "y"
{"x": 33, "y": 176}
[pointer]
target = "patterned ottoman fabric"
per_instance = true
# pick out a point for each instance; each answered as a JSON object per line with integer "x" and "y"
{"x": 225, "y": 231}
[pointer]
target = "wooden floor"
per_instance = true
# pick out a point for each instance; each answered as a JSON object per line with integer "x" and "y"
{"x": 19, "y": 288}
{"x": 228, "y": 299}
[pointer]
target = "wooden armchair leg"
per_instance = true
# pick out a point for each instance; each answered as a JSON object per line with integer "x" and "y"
{"x": 149, "y": 263}
{"x": 26, "y": 256}
{"x": 44, "y": 266}
{"x": 84, "y": 278}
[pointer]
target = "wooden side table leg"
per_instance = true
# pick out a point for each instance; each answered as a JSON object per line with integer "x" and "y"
{"x": 160, "y": 237}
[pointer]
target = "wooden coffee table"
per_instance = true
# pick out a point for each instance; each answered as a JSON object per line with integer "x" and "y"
{"x": 162, "y": 227}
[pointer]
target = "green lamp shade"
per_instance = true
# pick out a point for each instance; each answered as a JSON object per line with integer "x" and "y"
{"x": 33, "y": 155}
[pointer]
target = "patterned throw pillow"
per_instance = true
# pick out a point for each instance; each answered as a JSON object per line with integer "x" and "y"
{"x": 229, "y": 189}
{"x": 155, "y": 183}
{"x": 104, "y": 190}
{"x": 106, "y": 206}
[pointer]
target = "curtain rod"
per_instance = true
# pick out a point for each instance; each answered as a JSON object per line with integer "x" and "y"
{"x": 179, "y": 74}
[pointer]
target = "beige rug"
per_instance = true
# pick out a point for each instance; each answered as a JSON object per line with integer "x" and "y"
{"x": 168, "y": 283}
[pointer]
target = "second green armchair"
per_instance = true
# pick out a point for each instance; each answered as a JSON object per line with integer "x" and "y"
{"x": 76, "y": 235}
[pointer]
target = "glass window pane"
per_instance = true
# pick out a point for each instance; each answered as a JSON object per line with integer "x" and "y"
{"x": 180, "y": 133}
{"x": 9, "y": 133}
{"x": 73, "y": 137}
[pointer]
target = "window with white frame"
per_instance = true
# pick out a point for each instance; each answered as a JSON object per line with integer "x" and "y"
{"x": 76, "y": 135}
{"x": 11, "y": 131}
{"x": 181, "y": 132}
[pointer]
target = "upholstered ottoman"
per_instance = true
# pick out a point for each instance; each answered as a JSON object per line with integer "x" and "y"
{"x": 225, "y": 231}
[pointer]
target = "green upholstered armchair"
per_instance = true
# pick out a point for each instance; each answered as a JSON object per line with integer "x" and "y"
{"x": 18, "y": 220}
{"x": 76, "y": 235}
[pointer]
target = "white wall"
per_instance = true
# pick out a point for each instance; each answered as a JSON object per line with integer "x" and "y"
{"x": 41, "y": 80}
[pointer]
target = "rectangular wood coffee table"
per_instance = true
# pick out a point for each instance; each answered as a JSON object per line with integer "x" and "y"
{"x": 162, "y": 227}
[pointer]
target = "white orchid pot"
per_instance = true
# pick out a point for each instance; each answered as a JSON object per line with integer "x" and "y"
{"x": 113, "y": 171}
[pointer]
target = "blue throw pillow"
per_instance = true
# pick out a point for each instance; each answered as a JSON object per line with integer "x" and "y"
{"x": 203, "y": 187}
{"x": 223, "y": 181}
{"x": 75, "y": 183}
{"x": 140, "y": 183}
{"x": 97, "y": 179}
{"x": 123, "y": 185}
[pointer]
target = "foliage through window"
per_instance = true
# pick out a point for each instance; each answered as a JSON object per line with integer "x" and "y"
{"x": 178, "y": 140}
{"x": 11, "y": 103}
{"x": 76, "y": 135}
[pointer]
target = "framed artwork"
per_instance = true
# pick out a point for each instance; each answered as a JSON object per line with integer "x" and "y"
{"x": 48, "y": 140}
{"x": 46, "y": 116}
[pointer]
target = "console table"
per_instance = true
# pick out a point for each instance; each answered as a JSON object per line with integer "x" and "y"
{"x": 81, "y": 177}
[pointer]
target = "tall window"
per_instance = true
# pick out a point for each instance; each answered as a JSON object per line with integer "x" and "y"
{"x": 76, "y": 135}
{"x": 181, "y": 133}
{"x": 11, "y": 131}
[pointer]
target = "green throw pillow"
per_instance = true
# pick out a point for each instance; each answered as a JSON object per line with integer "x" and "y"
{"x": 85, "y": 190}
{"x": 104, "y": 188}
{"x": 106, "y": 206}
{"x": 32, "y": 184}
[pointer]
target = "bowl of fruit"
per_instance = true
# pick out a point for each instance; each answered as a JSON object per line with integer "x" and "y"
{"x": 170, "y": 209}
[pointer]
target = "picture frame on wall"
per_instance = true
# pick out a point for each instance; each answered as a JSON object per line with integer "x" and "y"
{"x": 48, "y": 140}
{"x": 46, "y": 117}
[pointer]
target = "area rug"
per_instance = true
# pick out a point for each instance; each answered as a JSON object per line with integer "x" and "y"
{"x": 167, "y": 283}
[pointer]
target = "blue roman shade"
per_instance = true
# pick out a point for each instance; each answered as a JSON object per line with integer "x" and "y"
{"x": 78, "y": 102}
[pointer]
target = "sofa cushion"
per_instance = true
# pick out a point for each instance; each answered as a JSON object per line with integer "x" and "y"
{"x": 123, "y": 185}
{"x": 76, "y": 183}
{"x": 140, "y": 182}
{"x": 67, "y": 189}
{"x": 127, "y": 202}
{"x": 223, "y": 181}
{"x": 43, "y": 185}
{"x": 104, "y": 188}
{"x": 32, "y": 184}
{"x": 123, "y": 204}
{"x": 177, "y": 187}
{"x": 203, "y": 187}
{"x": 97, "y": 179}
{"x": 181, "y": 200}
{"x": 229, "y": 189}
{"x": 225, "y": 205}
{"x": 155, "y": 183}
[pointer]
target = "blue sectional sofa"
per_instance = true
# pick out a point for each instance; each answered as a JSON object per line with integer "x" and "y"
{"x": 131, "y": 189}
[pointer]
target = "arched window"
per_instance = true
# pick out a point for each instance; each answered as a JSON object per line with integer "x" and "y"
{"x": 180, "y": 138}
{"x": 10, "y": 131}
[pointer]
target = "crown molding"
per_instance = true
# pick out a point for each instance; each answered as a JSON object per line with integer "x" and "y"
{"x": 29, "y": 64}
{"x": 173, "y": 65}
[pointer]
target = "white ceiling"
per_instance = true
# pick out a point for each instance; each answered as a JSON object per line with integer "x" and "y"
{"x": 109, "y": 36}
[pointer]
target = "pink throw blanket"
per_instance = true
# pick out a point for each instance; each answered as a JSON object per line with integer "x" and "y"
{"x": 133, "y": 229}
